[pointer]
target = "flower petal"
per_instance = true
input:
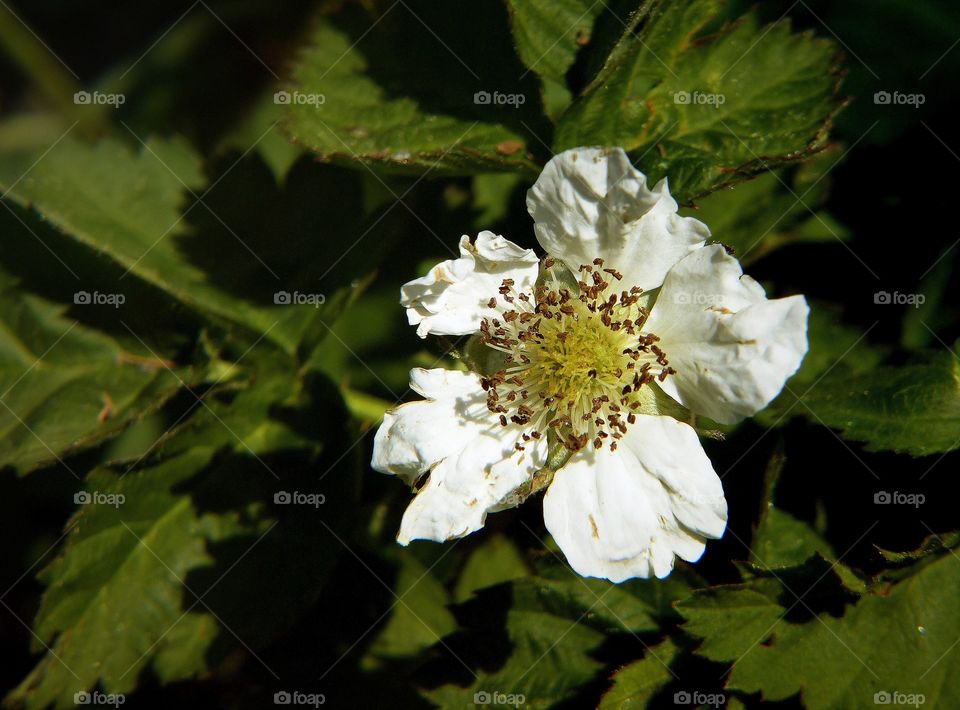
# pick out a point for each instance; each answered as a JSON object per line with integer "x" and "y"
{"x": 732, "y": 348}
{"x": 452, "y": 298}
{"x": 416, "y": 435}
{"x": 591, "y": 202}
{"x": 471, "y": 458}
{"x": 628, "y": 513}
{"x": 464, "y": 487}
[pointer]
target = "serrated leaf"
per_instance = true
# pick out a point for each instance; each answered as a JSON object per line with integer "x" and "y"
{"x": 715, "y": 107}
{"x": 635, "y": 685}
{"x": 896, "y": 641}
{"x": 97, "y": 627}
{"x": 914, "y": 408}
{"x": 635, "y": 606}
{"x": 65, "y": 386}
{"x": 548, "y": 34}
{"x": 379, "y": 110}
{"x": 761, "y": 215}
{"x": 193, "y": 521}
{"x": 553, "y": 621}
{"x": 128, "y": 206}
{"x": 548, "y": 660}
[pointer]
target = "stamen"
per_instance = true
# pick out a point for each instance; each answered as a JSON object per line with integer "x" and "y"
{"x": 575, "y": 363}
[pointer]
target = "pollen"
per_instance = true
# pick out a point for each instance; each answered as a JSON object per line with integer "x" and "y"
{"x": 577, "y": 359}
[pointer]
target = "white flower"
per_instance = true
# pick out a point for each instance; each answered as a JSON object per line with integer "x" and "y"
{"x": 607, "y": 349}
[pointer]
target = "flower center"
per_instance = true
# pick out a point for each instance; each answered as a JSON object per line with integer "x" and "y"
{"x": 575, "y": 362}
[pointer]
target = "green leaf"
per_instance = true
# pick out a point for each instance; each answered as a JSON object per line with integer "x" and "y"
{"x": 420, "y": 618}
{"x": 635, "y": 606}
{"x": 779, "y": 539}
{"x": 260, "y": 131}
{"x": 913, "y": 408}
{"x": 194, "y": 508}
{"x": 548, "y": 34}
{"x": 635, "y": 685}
{"x": 374, "y": 107}
{"x": 773, "y": 210}
{"x": 716, "y": 107}
{"x": 121, "y": 570}
{"x": 497, "y": 560}
{"x": 65, "y": 386}
{"x": 936, "y": 313}
{"x": 783, "y": 541}
{"x": 548, "y": 661}
{"x": 897, "y": 640}
{"x": 553, "y": 622}
{"x": 128, "y": 207}
{"x": 931, "y": 545}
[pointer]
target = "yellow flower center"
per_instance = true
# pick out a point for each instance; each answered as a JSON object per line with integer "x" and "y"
{"x": 576, "y": 362}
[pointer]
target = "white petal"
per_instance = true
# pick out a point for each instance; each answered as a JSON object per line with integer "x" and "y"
{"x": 416, "y": 435}
{"x": 471, "y": 458}
{"x": 465, "y": 486}
{"x": 452, "y": 298}
{"x": 628, "y": 513}
{"x": 591, "y": 202}
{"x": 732, "y": 348}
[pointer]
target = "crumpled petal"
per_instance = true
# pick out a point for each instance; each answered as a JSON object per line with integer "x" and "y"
{"x": 452, "y": 299}
{"x": 628, "y": 513}
{"x": 471, "y": 458}
{"x": 732, "y": 348}
{"x": 592, "y": 202}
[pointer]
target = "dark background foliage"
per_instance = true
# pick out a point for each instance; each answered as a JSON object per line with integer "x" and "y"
{"x": 314, "y": 606}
